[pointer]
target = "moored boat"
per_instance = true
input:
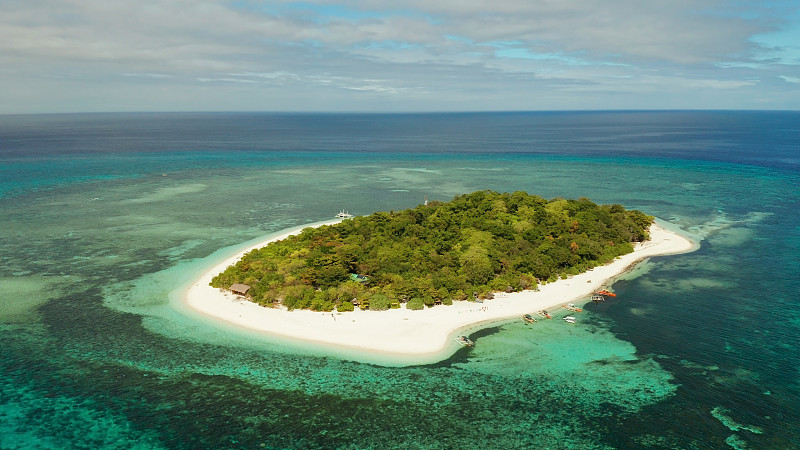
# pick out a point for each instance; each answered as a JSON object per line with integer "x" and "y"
{"x": 465, "y": 341}
{"x": 572, "y": 307}
{"x": 343, "y": 215}
{"x": 544, "y": 314}
{"x": 569, "y": 319}
{"x": 529, "y": 318}
{"x": 606, "y": 292}
{"x": 598, "y": 298}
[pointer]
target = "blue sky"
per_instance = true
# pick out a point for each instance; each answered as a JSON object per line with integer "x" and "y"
{"x": 404, "y": 55}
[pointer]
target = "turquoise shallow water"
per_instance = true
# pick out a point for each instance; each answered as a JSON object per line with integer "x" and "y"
{"x": 101, "y": 224}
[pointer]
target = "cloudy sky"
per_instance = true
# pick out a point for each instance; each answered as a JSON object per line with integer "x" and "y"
{"x": 399, "y": 55}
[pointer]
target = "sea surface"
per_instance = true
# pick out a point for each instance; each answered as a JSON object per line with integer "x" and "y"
{"x": 105, "y": 217}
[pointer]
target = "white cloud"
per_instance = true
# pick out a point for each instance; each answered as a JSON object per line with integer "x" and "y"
{"x": 722, "y": 84}
{"x": 268, "y": 76}
{"x": 147, "y": 75}
{"x": 224, "y": 80}
{"x": 496, "y": 53}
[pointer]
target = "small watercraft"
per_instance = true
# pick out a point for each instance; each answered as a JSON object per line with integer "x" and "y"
{"x": 569, "y": 319}
{"x": 572, "y": 307}
{"x": 545, "y": 314}
{"x": 529, "y": 318}
{"x": 465, "y": 341}
{"x": 606, "y": 292}
{"x": 598, "y": 298}
{"x": 343, "y": 215}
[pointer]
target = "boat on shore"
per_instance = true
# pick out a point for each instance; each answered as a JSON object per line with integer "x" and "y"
{"x": 572, "y": 307}
{"x": 597, "y": 298}
{"x": 545, "y": 314}
{"x": 529, "y": 318}
{"x": 569, "y": 319}
{"x": 606, "y": 292}
{"x": 465, "y": 341}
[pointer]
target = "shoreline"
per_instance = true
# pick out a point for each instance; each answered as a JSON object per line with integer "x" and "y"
{"x": 427, "y": 334}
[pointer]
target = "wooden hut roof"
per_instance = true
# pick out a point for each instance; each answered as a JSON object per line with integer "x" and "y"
{"x": 239, "y": 288}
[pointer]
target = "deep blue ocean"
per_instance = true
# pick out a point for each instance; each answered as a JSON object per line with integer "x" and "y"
{"x": 104, "y": 216}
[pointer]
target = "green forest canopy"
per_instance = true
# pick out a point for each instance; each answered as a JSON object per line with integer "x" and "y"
{"x": 474, "y": 245}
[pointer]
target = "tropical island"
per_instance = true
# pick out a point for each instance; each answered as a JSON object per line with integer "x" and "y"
{"x": 469, "y": 248}
{"x": 515, "y": 241}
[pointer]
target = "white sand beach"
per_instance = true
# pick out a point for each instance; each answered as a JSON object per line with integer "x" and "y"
{"x": 414, "y": 333}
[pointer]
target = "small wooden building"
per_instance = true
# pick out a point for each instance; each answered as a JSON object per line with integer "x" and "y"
{"x": 240, "y": 289}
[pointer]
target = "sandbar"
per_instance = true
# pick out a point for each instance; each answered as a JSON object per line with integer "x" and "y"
{"x": 410, "y": 333}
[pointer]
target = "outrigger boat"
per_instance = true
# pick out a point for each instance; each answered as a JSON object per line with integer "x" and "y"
{"x": 569, "y": 319}
{"x": 606, "y": 292}
{"x": 598, "y": 298}
{"x": 572, "y": 307}
{"x": 545, "y": 314}
{"x": 529, "y": 318}
{"x": 465, "y": 341}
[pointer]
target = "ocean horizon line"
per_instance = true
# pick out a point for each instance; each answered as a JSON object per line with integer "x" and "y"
{"x": 403, "y": 112}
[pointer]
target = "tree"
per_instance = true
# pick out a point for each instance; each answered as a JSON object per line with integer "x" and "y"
{"x": 379, "y": 302}
{"x": 475, "y": 265}
{"x": 415, "y": 304}
{"x": 479, "y": 242}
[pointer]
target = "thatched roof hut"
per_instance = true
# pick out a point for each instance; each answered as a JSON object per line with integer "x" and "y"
{"x": 240, "y": 289}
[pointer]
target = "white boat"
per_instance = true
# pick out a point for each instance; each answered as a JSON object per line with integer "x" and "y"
{"x": 343, "y": 215}
{"x": 529, "y": 318}
{"x": 465, "y": 341}
{"x": 569, "y": 319}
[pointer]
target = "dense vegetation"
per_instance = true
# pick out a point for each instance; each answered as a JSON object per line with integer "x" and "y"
{"x": 436, "y": 253}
